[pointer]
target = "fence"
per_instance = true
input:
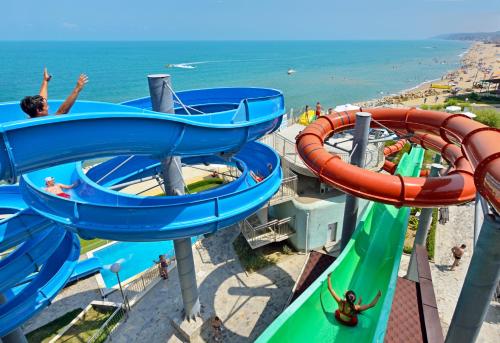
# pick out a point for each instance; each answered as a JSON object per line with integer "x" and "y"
{"x": 132, "y": 292}
{"x": 287, "y": 191}
{"x": 286, "y": 149}
{"x": 109, "y": 326}
{"x": 272, "y": 231}
{"x": 135, "y": 287}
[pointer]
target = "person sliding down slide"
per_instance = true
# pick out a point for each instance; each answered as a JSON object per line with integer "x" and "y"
{"x": 347, "y": 313}
{"x": 57, "y": 188}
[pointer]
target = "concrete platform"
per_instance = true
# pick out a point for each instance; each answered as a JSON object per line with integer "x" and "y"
{"x": 189, "y": 331}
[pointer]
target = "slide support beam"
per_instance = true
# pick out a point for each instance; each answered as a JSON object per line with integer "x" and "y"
{"x": 424, "y": 225}
{"x": 358, "y": 156}
{"x": 480, "y": 282}
{"x": 160, "y": 89}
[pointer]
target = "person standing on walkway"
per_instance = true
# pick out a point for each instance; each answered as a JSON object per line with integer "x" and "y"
{"x": 319, "y": 110}
{"x": 458, "y": 252}
{"x": 217, "y": 328}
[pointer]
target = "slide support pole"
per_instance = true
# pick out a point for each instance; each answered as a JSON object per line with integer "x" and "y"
{"x": 160, "y": 89}
{"x": 424, "y": 224}
{"x": 359, "y": 144}
{"x": 480, "y": 282}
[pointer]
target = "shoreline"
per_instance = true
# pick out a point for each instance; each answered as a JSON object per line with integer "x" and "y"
{"x": 476, "y": 63}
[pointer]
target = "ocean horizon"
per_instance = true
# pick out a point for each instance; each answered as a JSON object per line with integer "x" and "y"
{"x": 332, "y": 72}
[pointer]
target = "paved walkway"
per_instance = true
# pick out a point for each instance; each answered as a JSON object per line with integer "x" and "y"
{"x": 448, "y": 284}
{"x": 246, "y": 303}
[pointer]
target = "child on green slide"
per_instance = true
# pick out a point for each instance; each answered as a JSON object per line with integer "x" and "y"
{"x": 347, "y": 313}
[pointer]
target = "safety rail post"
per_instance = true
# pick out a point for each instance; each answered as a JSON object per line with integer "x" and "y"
{"x": 479, "y": 285}
{"x": 162, "y": 100}
{"x": 358, "y": 155}
{"x": 424, "y": 225}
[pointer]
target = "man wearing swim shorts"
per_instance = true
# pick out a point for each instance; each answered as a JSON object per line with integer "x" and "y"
{"x": 57, "y": 188}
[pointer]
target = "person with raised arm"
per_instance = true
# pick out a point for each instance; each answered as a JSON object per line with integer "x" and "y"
{"x": 36, "y": 106}
{"x": 348, "y": 310}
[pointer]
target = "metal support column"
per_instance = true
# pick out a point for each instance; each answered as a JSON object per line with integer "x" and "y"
{"x": 187, "y": 277}
{"x": 16, "y": 335}
{"x": 478, "y": 217}
{"x": 480, "y": 282}
{"x": 358, "y": 156}
{"x": 424, "y": 224}
{"x": 162, "y": 101}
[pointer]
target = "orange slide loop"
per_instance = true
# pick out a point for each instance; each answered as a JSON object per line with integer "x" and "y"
{"x": 389, "y": 166}
{"x": 332, "y": 157}
{"x": 475, "y": 164}
{"x": 332, "y": 124}
{"x": 444, "y": 132}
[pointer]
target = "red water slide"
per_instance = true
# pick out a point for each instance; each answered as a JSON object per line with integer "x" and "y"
{"x": 471, "y": 148}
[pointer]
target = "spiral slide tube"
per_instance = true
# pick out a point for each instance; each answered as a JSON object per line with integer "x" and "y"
{"x": 471, "y": 147}
{"x": 52, "y": 146}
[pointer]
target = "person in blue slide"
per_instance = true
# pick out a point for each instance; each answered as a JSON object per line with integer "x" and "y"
{"x": 58, "y": 188}
{"x": 348, "y": 310}
{"x": 36, "y": 106}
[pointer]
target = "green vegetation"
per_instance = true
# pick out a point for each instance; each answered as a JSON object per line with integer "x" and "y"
{"x": 476, "y": 98}
{"x": 287, "y": 250}
{"x": 88, "y": 245}
{"x": 397, "y": 157}
{"x": 431, "y": 237}
{"x": 488, "y": 117}
{"x": 86, "y": 327}
{"x": 49, "y": 330}
{"x": 204, "y": 185}
{"x": 412, "y": 230}
{"x": 251, "y": 260}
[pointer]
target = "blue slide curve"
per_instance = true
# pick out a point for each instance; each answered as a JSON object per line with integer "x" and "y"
{"x": 38, "y": 231}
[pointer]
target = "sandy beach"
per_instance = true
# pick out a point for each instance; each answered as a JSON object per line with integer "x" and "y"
{"x": 478, "y": 63}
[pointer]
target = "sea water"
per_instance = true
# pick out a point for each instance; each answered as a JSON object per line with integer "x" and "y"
{"x": 332, "y": 72}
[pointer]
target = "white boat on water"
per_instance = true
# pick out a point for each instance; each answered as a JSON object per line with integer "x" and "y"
{"x": 181, "y": 65}
{"x": 291, "y": 71}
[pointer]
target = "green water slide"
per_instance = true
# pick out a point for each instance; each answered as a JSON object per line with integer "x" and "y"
{"x": 369, "y": 263}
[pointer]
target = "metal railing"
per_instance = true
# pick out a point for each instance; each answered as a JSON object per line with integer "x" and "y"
{"x": 286, "y": 149}
{"x": 134, "y": 288}
{"x": 287, "y": 190}
{"x": 270, "y": 232}
{"x": 132, "y": 292}
{"x": 109, "y": 326}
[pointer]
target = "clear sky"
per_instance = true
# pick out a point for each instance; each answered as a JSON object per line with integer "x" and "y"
{"x": 243, "y": 19}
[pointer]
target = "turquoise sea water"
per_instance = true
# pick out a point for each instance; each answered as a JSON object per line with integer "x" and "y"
{"x": 333, "y": 72}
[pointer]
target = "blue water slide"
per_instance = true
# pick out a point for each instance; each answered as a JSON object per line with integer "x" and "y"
{"x": 111, "y": 130}
{"x": 95, "y": 211}
{"x": 44, "y": 287}
{"x": 209, "y": 126}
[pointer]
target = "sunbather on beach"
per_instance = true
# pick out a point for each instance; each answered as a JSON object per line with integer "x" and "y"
{"x": 57, "y": 188}
{"x": 36, "y": 106}
{"x": 348, "y": 310}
